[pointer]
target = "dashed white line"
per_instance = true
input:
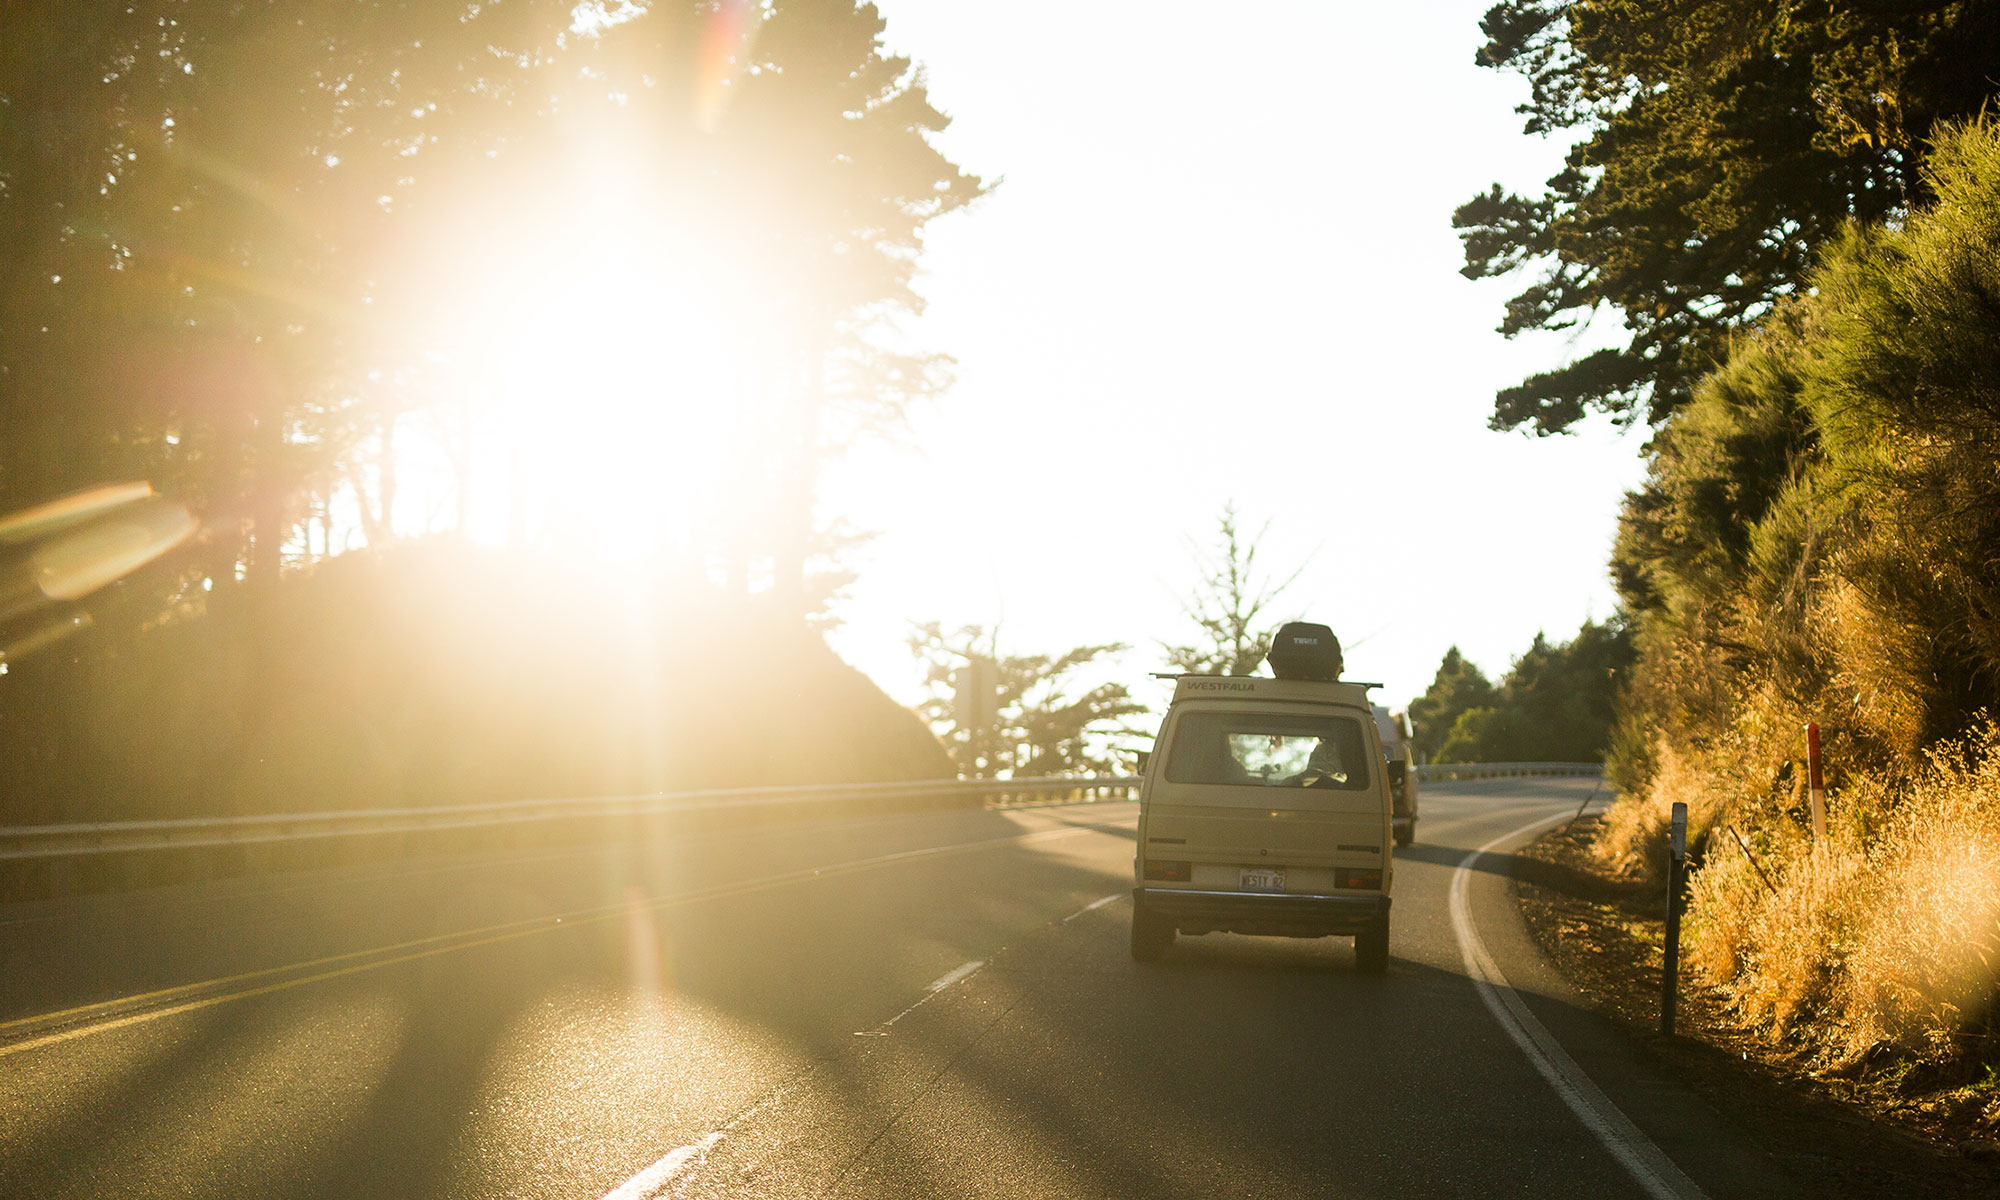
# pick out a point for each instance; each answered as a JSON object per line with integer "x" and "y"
{"x": 953, "y": 976}
{"x": 1093, "y": 906}
{"x": 937, "y": 985}
{"x": 1645, "y": 1162}
{"x": 654, "y": 1179}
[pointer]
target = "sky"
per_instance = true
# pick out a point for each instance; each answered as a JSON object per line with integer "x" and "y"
{"x": 1219, "y": 267}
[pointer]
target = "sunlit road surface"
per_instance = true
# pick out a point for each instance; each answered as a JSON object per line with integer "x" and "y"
{"x": 931, "y": 1005}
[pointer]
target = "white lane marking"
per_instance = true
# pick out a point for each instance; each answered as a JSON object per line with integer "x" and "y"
{"x": 1093, "y": 906}
{"x": 954, "y": 975}
{"x": 937, "y": 985}
{"x": 677, "y": 1164}
{"x": 654, "y": 1179}
{"x": 1644, "y": 1161}
{"x": 652, "y": 1182}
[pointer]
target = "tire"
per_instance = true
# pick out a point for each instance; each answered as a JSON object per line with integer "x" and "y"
{"x": 1371, "y": 948}
{"x": 1408, "y": 833}
{"x": 1150, "y": 936}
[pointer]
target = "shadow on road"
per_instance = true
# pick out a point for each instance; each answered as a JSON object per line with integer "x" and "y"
{"x": 1101, "y": 1077}
{"x": 495, "y": 1069}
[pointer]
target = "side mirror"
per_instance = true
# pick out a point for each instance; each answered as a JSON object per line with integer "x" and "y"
{"x": 1141, "y": 757}
{"x": 1398, "y": 772}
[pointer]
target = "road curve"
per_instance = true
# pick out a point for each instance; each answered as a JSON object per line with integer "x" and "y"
{"x": 929, "y": 1005}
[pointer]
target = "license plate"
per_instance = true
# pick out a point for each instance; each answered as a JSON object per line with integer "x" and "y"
{"x": 1262, "y": 879}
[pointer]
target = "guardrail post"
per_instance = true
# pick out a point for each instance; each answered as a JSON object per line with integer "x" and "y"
{"x": 1676, "y": 873}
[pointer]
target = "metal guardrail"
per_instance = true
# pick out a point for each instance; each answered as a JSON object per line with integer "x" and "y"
{"x": 119, "y": 837}
{"x": 1450, "y": 772}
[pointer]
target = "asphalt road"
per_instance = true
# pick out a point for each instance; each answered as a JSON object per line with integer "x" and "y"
{"x": 930, "y": 1005}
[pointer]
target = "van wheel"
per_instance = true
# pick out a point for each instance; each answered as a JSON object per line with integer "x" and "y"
{"x": 1371, "y": 947}
{"x": 1408, "y": 833}
{"x": 1150, "y": 936}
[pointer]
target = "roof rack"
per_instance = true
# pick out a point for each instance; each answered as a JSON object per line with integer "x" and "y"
{"x": 1218, "y": 675}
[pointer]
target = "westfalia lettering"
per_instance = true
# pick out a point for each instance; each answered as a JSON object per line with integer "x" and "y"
{"x": 1199, "y": 685}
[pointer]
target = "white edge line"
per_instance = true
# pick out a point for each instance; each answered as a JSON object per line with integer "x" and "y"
{"x": 649, "y": 1182}
{"x": 1643, "y": 1160}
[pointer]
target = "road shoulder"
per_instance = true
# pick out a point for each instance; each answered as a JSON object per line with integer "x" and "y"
{"x": 1603, "y": 936}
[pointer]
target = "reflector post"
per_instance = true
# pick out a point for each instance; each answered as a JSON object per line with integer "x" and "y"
{"x": 1815, "y": 788}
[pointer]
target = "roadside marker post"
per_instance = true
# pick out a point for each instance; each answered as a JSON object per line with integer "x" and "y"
{"x": 1815, "y": 787}
{"x": 1676, "y": 877}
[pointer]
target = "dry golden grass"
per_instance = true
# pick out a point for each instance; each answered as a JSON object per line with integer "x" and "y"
{"x": 1796, "y": 938}
{"x": 1635, "y": 828}
{"x": 1927, "y": 962}
{"x": 1888, "y": 931}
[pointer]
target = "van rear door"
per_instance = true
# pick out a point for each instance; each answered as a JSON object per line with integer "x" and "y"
{"x": 1292, "y": 786}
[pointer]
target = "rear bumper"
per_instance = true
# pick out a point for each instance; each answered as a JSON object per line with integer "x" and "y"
{"x": 1278, "y": 914}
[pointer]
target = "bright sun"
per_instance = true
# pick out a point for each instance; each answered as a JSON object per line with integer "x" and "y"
{"x": 601, "y": 379}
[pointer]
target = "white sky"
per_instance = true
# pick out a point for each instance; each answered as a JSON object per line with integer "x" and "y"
{"x": 1222, "y": 266}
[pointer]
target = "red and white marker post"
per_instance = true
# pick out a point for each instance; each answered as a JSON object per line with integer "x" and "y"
{"x": 1815, "y": 788}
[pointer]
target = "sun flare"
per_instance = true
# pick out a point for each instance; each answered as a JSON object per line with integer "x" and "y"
{"x": 605, "y": 367}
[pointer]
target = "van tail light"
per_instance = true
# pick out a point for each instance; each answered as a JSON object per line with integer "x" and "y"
{"x": 1172, "y": 872}
{"x": 1357, "y": 877}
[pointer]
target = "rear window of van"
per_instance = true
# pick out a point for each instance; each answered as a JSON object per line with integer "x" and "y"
{"x": 1268, "y": 750}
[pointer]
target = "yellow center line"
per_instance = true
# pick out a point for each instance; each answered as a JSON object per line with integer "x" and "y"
{"x": 448, "y": 943}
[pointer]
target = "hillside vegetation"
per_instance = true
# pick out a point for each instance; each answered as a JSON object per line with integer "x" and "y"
{"x": 439, "y": 673}
{"x": 1819, "y": 540}
{"x": 300, "y": 303}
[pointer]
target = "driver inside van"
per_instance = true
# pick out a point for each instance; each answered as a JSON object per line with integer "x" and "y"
{"x": 1324, "y": 767}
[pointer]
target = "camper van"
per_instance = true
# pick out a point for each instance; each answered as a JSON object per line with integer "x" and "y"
{"x": 1265, "y": 808}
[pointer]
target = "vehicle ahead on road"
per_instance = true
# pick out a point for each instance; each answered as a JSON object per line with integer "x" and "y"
{"x": 1265, "y": 809}
{"x": 1400, "y": 752}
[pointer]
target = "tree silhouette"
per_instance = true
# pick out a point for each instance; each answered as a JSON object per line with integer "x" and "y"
{"x": 1556, "y": 704}
{"x": 1459, "y": 687}
{"x": 1721, "y": 146}
{"x": 213, "y": 216}
{"x": 1230, "y": 604}
{"x": 1045, "y": 720}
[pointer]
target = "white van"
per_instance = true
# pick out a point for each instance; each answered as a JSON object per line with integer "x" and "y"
{"x": 1264, "y": 809}
{"x": 1400, "y": 750}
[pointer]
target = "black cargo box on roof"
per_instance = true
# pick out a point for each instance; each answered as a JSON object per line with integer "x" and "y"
{"x": 1303, "y": 650}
